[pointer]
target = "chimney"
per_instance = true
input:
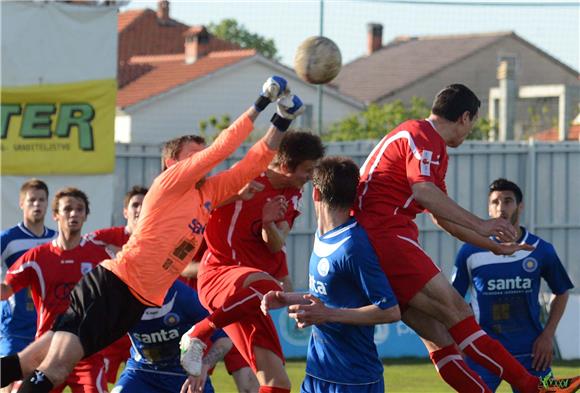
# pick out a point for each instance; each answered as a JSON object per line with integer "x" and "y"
{"x": 196, "y": 43}
{"x": 374, "y": 37}
{"x": 163, "y": 10}
{"x": 508, "y": 90}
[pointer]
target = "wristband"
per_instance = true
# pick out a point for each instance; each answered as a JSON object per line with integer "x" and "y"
{"x": 280, "y": 123}
{"x": 261, "y": 103}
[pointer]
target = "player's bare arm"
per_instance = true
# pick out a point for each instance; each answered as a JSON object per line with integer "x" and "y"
{"x": 433, "y": 199}
{"x": 5, "y": 291}
{"x": 469, "y": 236}
{"x": 218, "y": 350}
{"x": 278, "y": 299}
{"x": 543, "y": 349}
{"x": 316, "y": 313}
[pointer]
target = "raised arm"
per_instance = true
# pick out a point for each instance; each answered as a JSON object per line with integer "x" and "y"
{"x": 188, "y": 172}
{"x": 229, "y": 182}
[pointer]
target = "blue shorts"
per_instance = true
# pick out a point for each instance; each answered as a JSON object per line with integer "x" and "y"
{"x": 12, "y": 345}
{"x": 493, "y": 381}
{"x": 145, "y": 381}
{"x": 315, "y": 385}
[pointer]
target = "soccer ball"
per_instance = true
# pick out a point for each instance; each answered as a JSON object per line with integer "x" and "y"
{"x": 317, "y": 60}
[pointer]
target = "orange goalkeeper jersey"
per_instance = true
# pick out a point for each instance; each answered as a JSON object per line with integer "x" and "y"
{"x": 175, "y": 213}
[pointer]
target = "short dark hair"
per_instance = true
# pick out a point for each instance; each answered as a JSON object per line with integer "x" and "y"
{"x": 135, "y": 190}
{"x": 70, "y": 192}
{"x": 502, "y": 184}
{"x": 454, "y": 100}
{"x": 336, "y": 178}
{"x": 297, "y": 147}
{"x": 33, "y": 184}
{"x": 172, "y": 148}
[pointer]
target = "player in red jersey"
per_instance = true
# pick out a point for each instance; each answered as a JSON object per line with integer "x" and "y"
{"x": 115, "y": 238}
{"x": 245, "y": 258}
{"x": 51, "y": 271}
{"x": 405, "y": 175}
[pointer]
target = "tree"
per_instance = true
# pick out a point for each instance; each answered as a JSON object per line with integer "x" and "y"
{"x": 230, "y": 30}
{"x": 378, "y": 120}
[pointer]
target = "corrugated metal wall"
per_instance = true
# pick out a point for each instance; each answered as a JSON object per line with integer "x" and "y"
{"x": 548, "y": 173}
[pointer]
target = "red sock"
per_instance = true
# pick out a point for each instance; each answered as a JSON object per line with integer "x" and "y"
{"x": 492, "y": 355}
{"x": 453, "y": 370}
{"x": 244, "y": 302}
{"x": 272, "y": 389}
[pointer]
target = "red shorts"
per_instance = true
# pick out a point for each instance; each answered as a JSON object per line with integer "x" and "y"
{"x": 88, "y": 376}
{"x": 216, "y": 284}
{"x": 114, "y": 355}
{"x": 234, "y": 361}
{"x": 406, "y": 265}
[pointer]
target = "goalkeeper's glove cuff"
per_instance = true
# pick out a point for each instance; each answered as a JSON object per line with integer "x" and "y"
{"x": 261, "y": 103}
{"x": 280, "y": 123}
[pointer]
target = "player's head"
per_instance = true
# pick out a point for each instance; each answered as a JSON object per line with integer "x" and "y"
{"x": 181, "y": 148}
{"x": 505, "y": 200}
{"x": 70, "y": 208}
{"x": 33, "y": 200}
{"x": 132, "y": 205}
{"x": 459, "y": 105}
{"x": 297, "y": 156}
{"x": 334, "y": 181}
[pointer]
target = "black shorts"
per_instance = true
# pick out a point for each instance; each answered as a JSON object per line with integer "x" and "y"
{"x": 101, "y": 310}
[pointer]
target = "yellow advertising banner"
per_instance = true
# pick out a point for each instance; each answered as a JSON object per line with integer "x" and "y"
{"x": 59, "y": 128}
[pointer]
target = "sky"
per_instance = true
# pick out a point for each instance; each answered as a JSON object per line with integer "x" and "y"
{"x": 553, "y": 26}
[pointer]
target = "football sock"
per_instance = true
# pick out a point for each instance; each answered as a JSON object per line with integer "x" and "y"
{"x": 37, "y": 382}
{"x": 10, "y": 370}
{"x": 244, "y": 302}
{"x": 272, "y": 389}
{"x": 492, "y": 355}
{"x": 453, "y": 370}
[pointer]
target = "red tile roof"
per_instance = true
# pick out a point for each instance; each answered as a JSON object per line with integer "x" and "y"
{"x": 167, "y": 73}
{"x": 127, "y": 17}
{"x": 552, "y": 134}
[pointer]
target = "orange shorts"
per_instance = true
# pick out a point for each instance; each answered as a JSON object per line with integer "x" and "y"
{"x": 406, "y": 265}
{"x": 216, "y": 284}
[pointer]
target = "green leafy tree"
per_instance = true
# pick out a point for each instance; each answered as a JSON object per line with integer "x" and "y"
{"x": 378, "y": 120}
{"x": 213, "y": 123}
{"x": 230, "y": 30}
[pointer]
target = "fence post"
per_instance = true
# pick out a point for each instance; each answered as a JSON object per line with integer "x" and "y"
{"x": 531, "y": 192}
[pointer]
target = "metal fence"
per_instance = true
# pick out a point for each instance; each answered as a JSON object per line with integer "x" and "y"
{"x": 548, "y": 173}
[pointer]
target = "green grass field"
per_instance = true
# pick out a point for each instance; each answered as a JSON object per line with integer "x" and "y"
{"x": 404, "y": 375}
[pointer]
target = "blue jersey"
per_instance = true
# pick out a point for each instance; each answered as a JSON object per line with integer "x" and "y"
{"x": 345, "y": 273}
{"x": 18, "y": 317}
{"x": 156, "y": 337}
{"x": 504, "y": 289}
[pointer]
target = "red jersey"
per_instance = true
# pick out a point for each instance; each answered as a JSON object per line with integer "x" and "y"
{"x": 116, "y": 236}
{"x": 234, "y": 231}
{"x": 51, "y": 273}
{"x": 412, "y": 153}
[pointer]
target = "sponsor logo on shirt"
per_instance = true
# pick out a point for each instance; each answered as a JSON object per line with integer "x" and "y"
{"x": 157, "y": 337}
{"x": 529, "y": 264}
{"x": 196, "y": 227}
{"x": 317, "y": 287}
{"x": 509, "y": 284}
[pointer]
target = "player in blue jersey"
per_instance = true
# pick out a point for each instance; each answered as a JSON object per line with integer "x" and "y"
{"x": 504, "y": 289}
{"x": 18, "y": 318}
{"x": 349, "y": 293}
{"x": 154, "y": 364}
